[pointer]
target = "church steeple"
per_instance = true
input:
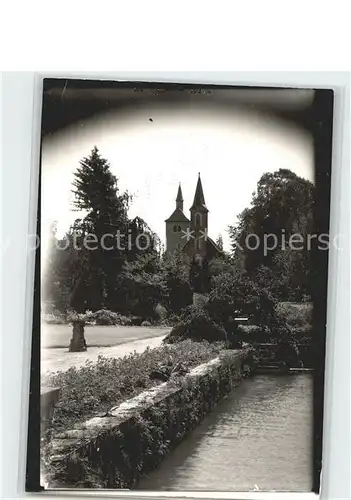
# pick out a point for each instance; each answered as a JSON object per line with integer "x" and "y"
{"x": 199, "y": 199}
{"x": 177, "y": 225}
{"x": 179, "y": 199}
{"x": 198, "y": 245}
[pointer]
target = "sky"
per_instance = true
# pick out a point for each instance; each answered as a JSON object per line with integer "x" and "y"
{"x": 231, "y": 148}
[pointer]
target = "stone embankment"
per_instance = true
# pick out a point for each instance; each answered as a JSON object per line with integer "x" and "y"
{"x": 116, "y": 449}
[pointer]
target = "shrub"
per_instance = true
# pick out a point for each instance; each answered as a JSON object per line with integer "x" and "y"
{"x": 160, "y": 312}
{"x": 175, "y": 271}
{"x": 124, "y": 320}
{"x": 96, "y": 387}
{"x": 196, "y": 324}
{"x": 146, "y": 323}
{"x": 253, "y": 333}
{"x": 296, "y": 314}
{"x": 74, "y": 317}
{"x": 54, "y": 319}
{"x": 107, "y": 317}
{"x": 136, "y": 320}
{"x": 234, "y": 293}
{"x": 303, "y": 334}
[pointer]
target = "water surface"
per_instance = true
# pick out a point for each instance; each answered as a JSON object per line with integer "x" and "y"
{"x": 259, "y": 437}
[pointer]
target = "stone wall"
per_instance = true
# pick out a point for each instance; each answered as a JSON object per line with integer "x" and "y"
{"x": 115, "y": 450}
{"x": 48, "y": 398}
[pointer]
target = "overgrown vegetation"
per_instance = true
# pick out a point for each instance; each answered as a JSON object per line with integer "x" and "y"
{"x": 282, "y": 206}
{"x": 195, "y": 323}
{"x": 296, "y": 315}
{"x": 129, "y": 286}
{"x": 121, "y": 454}
{"x": 137, "y": 283}
{"x": 96, "y": 387}
{"x": 106, "y": 317}
{"x": 87, "y": 284}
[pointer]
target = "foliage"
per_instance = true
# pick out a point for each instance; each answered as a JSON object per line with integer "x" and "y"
{"x": 51, "y": 315}
{"x": 282, "y": 206}
{"x": 97, "y": 386}
{"x": 252, "y": 334}
{"x": 84, "y": 266}
{"x": 107, "y": 317}
{"x": 146, "y": 323}
{"x": 59, "y": 271}
{"x": 83, "y": 317}
{"x": 299, "y": 318}
{"x": 120, "y": 455}
{"x": 161, "y": 313}
{"x": 233, "y": 294}
{"x": 296, "y": 314}
{"x": 219, "y": 242}
{"x": 153, "y": 286}
{"x": 199, "y": 275}
{"x": 303, "y": 334}
{"x": 96, "y": 193}
{"x": 195, "y": 324}
{"x": 143, "y": 285}
{"x": 175, "y": 270}
{"x": 53, "y": 319}
{"x": 224, "y": 264}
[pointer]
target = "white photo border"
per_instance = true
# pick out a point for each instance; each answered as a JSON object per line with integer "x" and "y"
{"x": 22, "y": 94}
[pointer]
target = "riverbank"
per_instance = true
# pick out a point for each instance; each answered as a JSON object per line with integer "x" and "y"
{"x": 115, "y": 449}
{"x": 257, "y": 439}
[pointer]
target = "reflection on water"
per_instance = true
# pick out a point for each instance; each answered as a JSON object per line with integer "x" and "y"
{"x": 260, "y": 435}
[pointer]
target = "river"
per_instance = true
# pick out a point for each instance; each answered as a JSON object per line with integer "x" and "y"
{"x": 260, "y": 437}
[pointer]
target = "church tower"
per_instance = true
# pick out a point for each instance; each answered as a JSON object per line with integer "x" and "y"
{"x": 199, "y": 220}
{"x": 176, "y": 224}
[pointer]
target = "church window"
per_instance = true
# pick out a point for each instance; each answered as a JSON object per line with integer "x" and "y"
{"x": 174, "y": 229}
{"x": 197, "y": 220}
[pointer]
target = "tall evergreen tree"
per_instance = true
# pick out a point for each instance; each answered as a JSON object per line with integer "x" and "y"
{"x": 96, "y": 194}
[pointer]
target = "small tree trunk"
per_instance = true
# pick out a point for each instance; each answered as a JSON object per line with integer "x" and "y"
{"x": 78, "y": 343}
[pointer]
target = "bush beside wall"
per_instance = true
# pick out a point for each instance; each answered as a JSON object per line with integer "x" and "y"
{"x": 116, "y": 450}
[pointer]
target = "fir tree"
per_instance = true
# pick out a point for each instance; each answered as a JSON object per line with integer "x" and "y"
{"x": 96, "y": 194}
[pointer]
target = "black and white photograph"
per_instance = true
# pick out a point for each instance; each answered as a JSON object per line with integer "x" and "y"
{"x": 181, "y": 287}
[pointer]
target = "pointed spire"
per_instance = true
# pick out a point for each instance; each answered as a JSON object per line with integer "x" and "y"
{"x": 179, "y": 199}
{"x": 199, "y": 199}
{"x": 180, "y": 194}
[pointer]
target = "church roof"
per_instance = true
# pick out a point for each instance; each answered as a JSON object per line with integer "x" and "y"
{"x": 179, "y": 194}
{"x": 209, "y": 243}
{"x": 178, "y": 216}
{"x": 199, "y": 199}
{"x": 214, "y": 244}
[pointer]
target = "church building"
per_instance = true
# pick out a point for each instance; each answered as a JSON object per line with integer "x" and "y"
{"x": 191, "y": 235}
